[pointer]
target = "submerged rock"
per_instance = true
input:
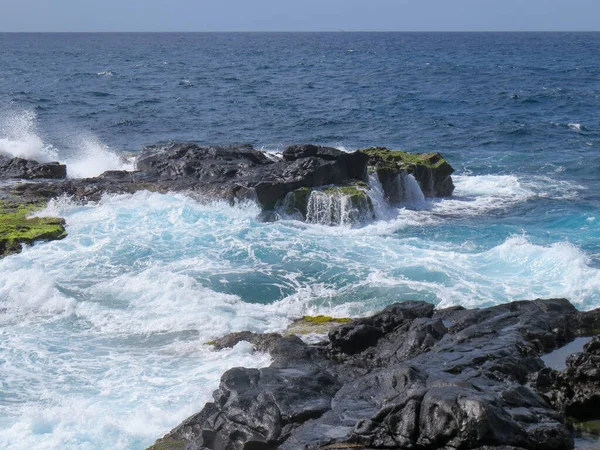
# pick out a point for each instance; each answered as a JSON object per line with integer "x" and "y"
{"x": 409, "y": 377}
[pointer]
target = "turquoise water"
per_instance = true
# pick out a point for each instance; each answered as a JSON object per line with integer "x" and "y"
{"x": 102, "y": 334}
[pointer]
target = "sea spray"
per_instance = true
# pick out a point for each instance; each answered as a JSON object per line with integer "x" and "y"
{"x": 85, "y": 155}
{"x": 93, "y": 158}
{"x": 20, "y": 138}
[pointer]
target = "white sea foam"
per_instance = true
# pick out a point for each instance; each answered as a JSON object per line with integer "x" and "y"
{"x": 576, "y": 126}
{"x": 102, "y": 332}
{"x": 106, "y": 335}
{"x": 476, "y": 195}
{"x": 105, "y": 408}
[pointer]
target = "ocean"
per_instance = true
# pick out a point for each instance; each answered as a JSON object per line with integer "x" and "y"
{"x": 102, "y": 334}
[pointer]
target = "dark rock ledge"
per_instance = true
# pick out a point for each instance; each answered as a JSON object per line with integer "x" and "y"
{"x": 410, "y": 377}
{"x": 233, "y": 173}
{"x": 239, "y": 172}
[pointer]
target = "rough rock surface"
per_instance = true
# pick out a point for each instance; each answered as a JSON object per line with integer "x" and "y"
{"x": 409, "y": 377}
{"x": 575, "y": 391}
{"x": 234, "y": 172}
{"x": 27, "y": 169}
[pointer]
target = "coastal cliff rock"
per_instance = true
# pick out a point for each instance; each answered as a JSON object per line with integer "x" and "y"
{"x": 409, "y": 377}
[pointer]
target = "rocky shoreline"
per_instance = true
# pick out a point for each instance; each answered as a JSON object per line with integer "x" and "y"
{"x": 234, "y": 173}
{"x": 410, "y": 377}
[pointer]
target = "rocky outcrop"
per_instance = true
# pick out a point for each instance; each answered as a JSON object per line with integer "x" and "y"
{"x": 575, "y": 391}
{"x": 234, "y": 172}
{"x": 431, "y": 171}
{"x": 25, "y": 169}
{"x": 410, "y": 377}
{"x": 318, "y": 184}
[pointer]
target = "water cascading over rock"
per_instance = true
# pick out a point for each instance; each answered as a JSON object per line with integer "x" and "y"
{"x": 403, "y": 189}
{"x": 333, "y": 206}
{"x": 408, "y": 188}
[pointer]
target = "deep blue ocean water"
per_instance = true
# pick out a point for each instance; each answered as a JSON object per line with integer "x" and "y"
{"x": 101, "y": 334}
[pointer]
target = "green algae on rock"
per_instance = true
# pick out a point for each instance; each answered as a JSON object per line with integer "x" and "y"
{"x": 17, "y": 228}
{"x": 315, "y": 324}
{"x": 297, "y": 201}
{"x": 395, "y": 158}
{"x": 325, "y": 319}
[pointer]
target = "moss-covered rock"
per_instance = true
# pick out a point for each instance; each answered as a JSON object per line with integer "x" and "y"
{"x": 431, "y": 170}
{"x": 394, "y": 158}
{"x": 16, "y": 228}
{"x": 325, "y": 319}
{"x": 315, "y": 324}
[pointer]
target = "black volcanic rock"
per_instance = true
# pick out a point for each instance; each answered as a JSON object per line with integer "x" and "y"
{"x": 187, "y": 160}
{"x": 24, "y": 169}
{"x": 575, "y": 391}
{"x": 294, "y": 152}
{"x": 233, "y": 172}
{"x": 409, "y": 377}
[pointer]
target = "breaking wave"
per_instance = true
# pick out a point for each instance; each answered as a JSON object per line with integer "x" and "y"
{"x": 85, "y": 155}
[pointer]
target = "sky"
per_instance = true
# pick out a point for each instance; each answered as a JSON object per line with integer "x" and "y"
{"x": 299, "y": 15}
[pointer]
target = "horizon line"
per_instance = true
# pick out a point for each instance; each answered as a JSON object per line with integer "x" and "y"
{"x": 292, "y": 31}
